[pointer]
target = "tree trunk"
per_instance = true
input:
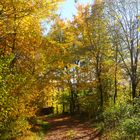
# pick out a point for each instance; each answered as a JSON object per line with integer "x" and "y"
{"x": 134, "y": 86}
{"x": 101, "y": 96}
{"x": 72, "y": 102}
{"x": 63, "y": 108}
{"x": 116, "y": 69}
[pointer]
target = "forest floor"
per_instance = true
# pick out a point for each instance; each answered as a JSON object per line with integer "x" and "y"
{"x": 70, "y": 128}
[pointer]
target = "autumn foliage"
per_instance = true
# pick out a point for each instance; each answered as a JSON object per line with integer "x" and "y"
{"x": 87, "y": 66}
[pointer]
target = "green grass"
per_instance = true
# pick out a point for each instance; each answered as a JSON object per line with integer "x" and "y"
{"x": 32, "y": 136}
{"x": 40, "y": 125}
{"x": 38, "y": 130}
{"x": 71, "y": 134}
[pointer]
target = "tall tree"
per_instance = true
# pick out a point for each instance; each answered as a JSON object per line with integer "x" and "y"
{"x": 91, "y": 30}
{"x": 126, "y": 28}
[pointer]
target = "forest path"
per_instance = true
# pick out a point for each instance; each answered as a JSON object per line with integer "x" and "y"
{"x": 68, "y": 128}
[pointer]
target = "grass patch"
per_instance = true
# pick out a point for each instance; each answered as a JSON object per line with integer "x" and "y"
{"x": 98, "y": 126}
{"x": 38, "y": 130}
{"x": 32, "y": 136}
{"x": 40, "y": 126}
{"x": 70, "y": 134}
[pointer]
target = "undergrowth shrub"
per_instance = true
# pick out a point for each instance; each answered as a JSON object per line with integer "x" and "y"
{"x": 122, "y": 121}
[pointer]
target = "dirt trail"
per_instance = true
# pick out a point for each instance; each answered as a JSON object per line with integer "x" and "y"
{"x": 67, "y": 128}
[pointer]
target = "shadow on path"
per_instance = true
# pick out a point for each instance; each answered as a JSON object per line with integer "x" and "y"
{"x": 67, "y": 128}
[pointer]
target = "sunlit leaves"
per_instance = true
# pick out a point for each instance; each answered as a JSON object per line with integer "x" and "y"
{"x": 21, "y": 62}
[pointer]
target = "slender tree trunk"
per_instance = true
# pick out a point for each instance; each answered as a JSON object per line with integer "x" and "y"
{"x": 116, "y": 91}
{"x": 72, "y": 102}
{"x": 99, "y": 87}
{"x": 101, "y": 95}
{"x": 116, "y": 69}
{"x": 57, "y": 112}
{"x": 63, "y": 108}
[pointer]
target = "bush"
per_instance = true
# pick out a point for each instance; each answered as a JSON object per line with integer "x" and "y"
{"x": 123, "y": 121}
{"x": 15, "y": 128}
{"x": 131, "y": 126}
{"x": 114, "y": 114}
{"x": 16, "y": 101}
